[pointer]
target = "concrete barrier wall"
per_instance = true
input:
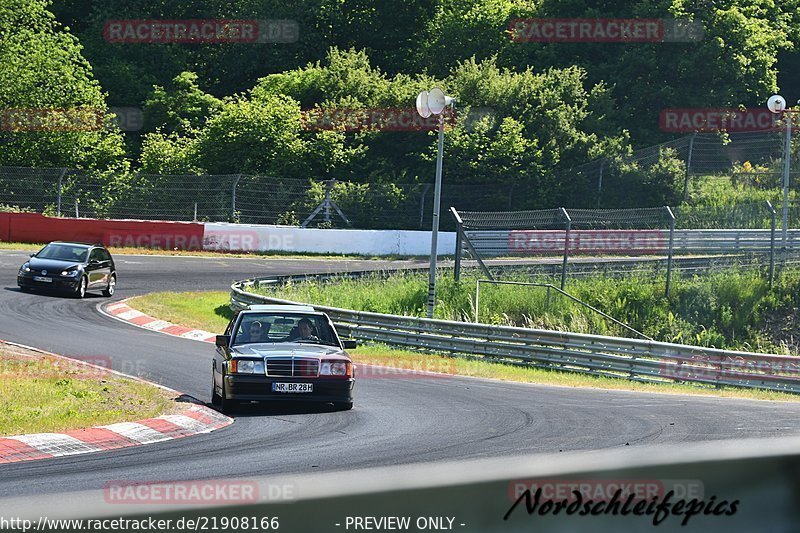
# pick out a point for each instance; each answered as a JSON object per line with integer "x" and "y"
{"x": 36, "y": 228}
{"x": 262, "y": 238}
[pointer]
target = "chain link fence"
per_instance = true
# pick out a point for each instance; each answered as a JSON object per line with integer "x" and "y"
{"x": 751, "y": 158}
{"x": 242, "y": 198}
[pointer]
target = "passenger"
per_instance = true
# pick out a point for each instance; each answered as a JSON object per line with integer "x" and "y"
{"x": 257, "y": 332}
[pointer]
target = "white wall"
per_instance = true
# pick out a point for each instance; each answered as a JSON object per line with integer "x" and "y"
{"x": 263, "y": 238}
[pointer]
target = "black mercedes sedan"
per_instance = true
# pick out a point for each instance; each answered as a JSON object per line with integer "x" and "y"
{"x": 69, "y": 267}
{"x": 282, "y": 353}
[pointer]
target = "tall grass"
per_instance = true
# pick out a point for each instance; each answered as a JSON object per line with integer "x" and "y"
{"x": 718, "y": 202}
{"x": 723, "y": 309}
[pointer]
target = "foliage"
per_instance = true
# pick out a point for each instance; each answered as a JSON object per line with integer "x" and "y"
{"x": 181, "y": 108}
{"x": 542, "y": 108}
{"x": 42, "y": 70}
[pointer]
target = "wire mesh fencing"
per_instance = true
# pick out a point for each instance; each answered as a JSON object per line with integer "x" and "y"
{"x": 754, "y": 158}
{"x": 644, "y": 177}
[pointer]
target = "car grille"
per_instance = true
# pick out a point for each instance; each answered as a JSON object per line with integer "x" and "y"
{"x": 292, "y": 367}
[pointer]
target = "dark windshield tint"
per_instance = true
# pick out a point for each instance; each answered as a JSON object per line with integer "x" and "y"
{"x": 64, "y": 252}
{"x": 280, "y": 327}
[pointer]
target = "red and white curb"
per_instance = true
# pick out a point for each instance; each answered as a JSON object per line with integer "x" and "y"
{"x": 194, "y": 420}
{"x": 122, "y": 311}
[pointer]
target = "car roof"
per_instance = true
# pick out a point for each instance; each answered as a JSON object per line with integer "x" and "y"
{"x": 70, "y": 243}
{"x": 277, "y": 308}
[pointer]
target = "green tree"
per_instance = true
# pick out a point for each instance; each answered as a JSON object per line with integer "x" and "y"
{"x": 41, "y": 68}
{"x": 180, "y": 108}
{"x": 734, "y": 64}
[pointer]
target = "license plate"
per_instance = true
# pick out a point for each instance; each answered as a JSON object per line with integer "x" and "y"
{"x": 40, "y": 278}
{"x": 292, "y": 387}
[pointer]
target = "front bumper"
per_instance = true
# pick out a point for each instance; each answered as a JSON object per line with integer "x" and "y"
{"x": 58, "y": 284}
{"x": 259, "y": 388}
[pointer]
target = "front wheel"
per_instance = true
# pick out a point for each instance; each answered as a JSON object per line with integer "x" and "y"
{"x": 225, "y": 405}
{"x": 112, "y": 286}
{"x": 216, "y": 399}
{"x": 82, "y": 286}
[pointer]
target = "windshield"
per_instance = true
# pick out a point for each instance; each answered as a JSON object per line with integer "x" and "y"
{"x": 281, "y": 327}
{"x": 64, "y": 252}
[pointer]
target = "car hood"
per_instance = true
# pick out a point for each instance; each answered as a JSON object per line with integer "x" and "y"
{"x": 289, "y": 349}
{"x": 50, "y": 264}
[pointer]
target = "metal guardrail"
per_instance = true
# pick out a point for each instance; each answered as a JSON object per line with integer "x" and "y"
{"x": 490, "y": 243}
{"x": 625, "y": 267}
{"x": 633, "y": 359}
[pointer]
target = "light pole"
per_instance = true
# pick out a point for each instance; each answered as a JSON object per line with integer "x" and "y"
{"x": 434, "y": 103}
{"x": 777, "y": 104}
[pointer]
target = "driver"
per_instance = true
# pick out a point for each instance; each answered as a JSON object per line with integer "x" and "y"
{"x": 305, "y": 330}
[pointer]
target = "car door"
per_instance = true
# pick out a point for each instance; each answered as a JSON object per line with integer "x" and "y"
{"x": 97, "y": 270}
{"x": 108, "y": 266}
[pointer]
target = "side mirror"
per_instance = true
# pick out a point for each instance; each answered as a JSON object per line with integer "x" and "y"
{"x": 33, "y": 254}
{"x": 223, "y": 340}
{"x": 350, "y": 344}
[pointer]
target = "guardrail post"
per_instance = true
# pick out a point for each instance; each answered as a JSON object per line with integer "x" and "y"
{"x": 567, "y": 229}
{"x": 477, "y": 298}
{"x": 786, "y": 162}
{"x": 233, "y": 197}
{"x": 669, "y": 252}
{"x": 58, "y": 193}
{"x": 688, "y": 166}
{"x": 771, "y": 243}
{"x": 459, "y": 244}
{"x": 472, "y": 250}
{"x": 328, "y": 188}
{"x": 600, "y": 183}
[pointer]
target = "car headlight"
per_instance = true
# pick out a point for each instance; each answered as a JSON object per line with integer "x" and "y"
{"x": 334, "y": 368}
{"x": 70, "y": 273}
{"x": 25, "y": 268}
{"x": 247, "y": 366}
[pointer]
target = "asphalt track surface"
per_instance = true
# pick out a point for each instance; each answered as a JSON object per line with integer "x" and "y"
{"x": 397, "y": 420}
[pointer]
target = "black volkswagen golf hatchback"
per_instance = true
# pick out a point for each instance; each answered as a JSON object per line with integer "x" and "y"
{"x": 69, "y": 267}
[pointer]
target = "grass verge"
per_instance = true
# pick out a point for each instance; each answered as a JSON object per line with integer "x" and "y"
{"x": 41, "y": 393}
{"x": 115, "y": 250}
{"x": 209, "y": 311}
